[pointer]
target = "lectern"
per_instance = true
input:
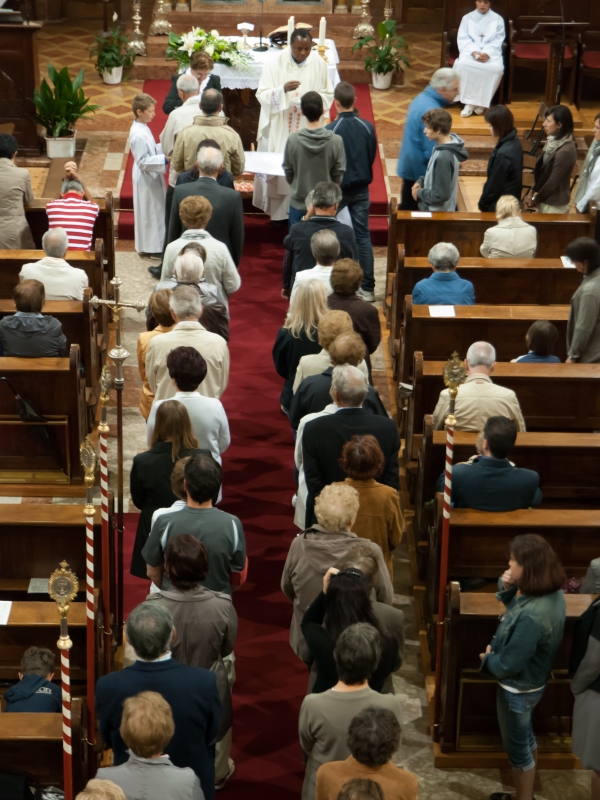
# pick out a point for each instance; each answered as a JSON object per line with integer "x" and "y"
{"x": 555, "y": 33}
{"x": 19, "y": 76}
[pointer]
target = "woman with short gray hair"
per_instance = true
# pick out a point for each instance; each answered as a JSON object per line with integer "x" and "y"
{"x": 444, "y": 286}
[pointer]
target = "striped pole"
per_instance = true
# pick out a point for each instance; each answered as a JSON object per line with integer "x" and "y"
{"x": 454, "y": 375}
{"x": 65, "y": 676}
{"x": 105, "y": 383}
{"x": 90, "y": 623}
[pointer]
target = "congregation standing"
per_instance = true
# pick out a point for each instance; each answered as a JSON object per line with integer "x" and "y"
{"x": 168, "y": 715}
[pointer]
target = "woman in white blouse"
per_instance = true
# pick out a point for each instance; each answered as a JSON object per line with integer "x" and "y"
{"x": 480, "y": 38}
{"x": 589, "y": 180}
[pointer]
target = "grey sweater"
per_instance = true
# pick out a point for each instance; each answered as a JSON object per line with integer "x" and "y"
{"x": 311, "y": 156}
{"x": 440, "y": 182}
{"x": 583, "y": 327}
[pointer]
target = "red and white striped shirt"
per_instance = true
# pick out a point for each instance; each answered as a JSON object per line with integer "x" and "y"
{"x": 76, "y": 216}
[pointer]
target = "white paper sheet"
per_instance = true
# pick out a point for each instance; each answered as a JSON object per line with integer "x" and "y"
{"x": 5, "y": 607}
{"x": 264, "y": 163}
{"x": 420, "y": 214}
{"x": 567, "y": 263}
{"x": 38, "y": 586}
{"x": 442, "y": 311}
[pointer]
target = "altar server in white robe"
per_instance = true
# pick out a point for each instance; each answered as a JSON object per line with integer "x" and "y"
{"x": 149, "y": 167}
{"x": 297, "y": 70}
{"x": 480, "y": 64}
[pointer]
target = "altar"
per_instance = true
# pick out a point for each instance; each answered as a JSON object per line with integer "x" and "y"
{"x": 239, "y": 86}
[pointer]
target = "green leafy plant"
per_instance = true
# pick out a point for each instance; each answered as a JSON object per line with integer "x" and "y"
{"x": 387, "y": 56}
{"x": 112, "y": 51}
{"x": 59, "y": 110}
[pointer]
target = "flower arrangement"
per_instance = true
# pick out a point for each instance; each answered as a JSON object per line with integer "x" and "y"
{"x": 221, "y": 50}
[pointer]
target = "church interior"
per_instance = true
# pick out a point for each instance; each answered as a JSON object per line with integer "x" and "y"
{"x": 76, "y": 506}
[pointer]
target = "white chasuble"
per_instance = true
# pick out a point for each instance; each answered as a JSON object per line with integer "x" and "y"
{"x": 280, "y": 115}
{"x": 480, "y": 33}
{"x": 149, "y": 190}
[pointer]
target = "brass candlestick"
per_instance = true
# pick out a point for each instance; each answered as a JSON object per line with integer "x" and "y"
{"x": 364, "y": 27}
{"x": 137, "y": 41}
{"x": 454, "y": 375}
{"x": 321, "y": 49}
{"x": 388, "y": 10}
{"x": 62, "y": 588}
{"x": 161, "y": 25}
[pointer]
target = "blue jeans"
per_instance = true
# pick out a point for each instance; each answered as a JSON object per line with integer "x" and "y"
{"x": 514, "y": 719}
{"x": 294, "y": 215}
{"x": 359, "y": 213}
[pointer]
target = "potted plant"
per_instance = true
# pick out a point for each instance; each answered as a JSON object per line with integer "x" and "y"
{"x": 59, "y": 110}
{"x": 113, "y": 53}
{"x": 385, "y": 59}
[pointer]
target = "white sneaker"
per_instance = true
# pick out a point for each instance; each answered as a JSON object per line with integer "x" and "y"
{"x": 480, "y": 110}
{"x": 368, "y": 296}
{"x": 294, "y": 500}
{"x": 467, "y": 111}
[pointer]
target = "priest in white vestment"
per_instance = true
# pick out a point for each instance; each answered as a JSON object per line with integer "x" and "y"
{"x": 480, "y": 65}
{"x": 297, "y": 70}
{"x": 149, "y": 190}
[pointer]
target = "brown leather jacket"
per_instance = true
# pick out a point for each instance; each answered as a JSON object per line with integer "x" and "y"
{"x": 553, "y": 179}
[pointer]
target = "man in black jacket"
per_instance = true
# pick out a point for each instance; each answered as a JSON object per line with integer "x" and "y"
{"x": 325, "y": 437}
{"x": 360, "y": 145}
{"x": 314, "y": 393}
{"x": 321, "y": 214}
{"x": 489, "y": 482}
{"x": 201, "y": 65}
{"x": 190, "y": 691}
{"x": 227, "y": 221}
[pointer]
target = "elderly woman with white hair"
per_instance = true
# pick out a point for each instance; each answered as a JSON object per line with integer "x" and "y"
{"x": 511, "y": 237}
{"x": 323, "y": 546}
{"x": 189, "y": 271}
{"x": 186, "y": 309}
{"x": 444, "y": 286}
{"x": 479, "y": 397}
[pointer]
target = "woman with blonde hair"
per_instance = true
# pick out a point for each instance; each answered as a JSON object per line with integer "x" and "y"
{"x": 150, "y": 482}
{"x": 98, "y": 789}
{"x": 159, "y": 308}
{"x": 298, "y": 335}
{"x": 147, "y": 727}
{"x": 511, "y": 237}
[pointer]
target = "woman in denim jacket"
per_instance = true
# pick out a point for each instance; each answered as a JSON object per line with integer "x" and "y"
{"x": 522, "y": 650}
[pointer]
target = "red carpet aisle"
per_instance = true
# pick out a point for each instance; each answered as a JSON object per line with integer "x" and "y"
{"x": 259, "y": 485}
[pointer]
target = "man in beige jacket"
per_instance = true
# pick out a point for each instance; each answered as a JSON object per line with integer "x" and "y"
{"x": 209, "y": 126}
{"x": 186, "y": 309}
{"x": 15, "y": 194}
{"x": 479, "y": 397}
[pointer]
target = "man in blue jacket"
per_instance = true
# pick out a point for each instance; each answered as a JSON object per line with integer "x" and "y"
{"x": 489, "y": 482}
{"x": 190, "y": 691}
{"x": 35, "y": 692}
{"x": 416, "y": 149}
{"x": 360, "y": 146}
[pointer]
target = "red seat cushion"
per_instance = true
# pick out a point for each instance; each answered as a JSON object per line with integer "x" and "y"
{"x": 591, "y": 60}
{"x": 537, "y": 52}
{"x": 451, "y": 61}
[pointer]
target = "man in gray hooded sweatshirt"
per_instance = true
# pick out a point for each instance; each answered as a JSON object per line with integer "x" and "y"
{"x": 311, "y": 155}
{"x": 437, "y": 189}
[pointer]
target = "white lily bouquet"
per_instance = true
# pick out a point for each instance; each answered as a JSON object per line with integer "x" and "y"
{"x": 221, "y": 50}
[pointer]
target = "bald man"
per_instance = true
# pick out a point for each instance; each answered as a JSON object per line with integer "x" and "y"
{"x": 61, "y": 280}
{"x": 210, "y": 125}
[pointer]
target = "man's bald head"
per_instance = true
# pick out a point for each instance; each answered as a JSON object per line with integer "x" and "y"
{"x": 211, "y": 102}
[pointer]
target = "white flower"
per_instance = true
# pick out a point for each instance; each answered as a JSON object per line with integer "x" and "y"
{"x": 215, "y": 33}
{"x": 188, "y": 41}
{"x": 210, "y": 49}
{"x": 115, "y": 16}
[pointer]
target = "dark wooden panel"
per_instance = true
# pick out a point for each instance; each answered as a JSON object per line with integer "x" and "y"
{"x": 19, "y": 76}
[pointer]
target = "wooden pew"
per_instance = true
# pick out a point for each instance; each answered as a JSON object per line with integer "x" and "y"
{"x": 469, "y": 720}
{"x": 479, "y": 541}
{"x": 57, "y": 390}
{"x": 503, "y": 326}
{"x": 568, "y": 465}
{"x": 80, "y": 326}
{"x": 466, "y": 230}
{"x": 34, "y": 743}
{"x": 533, "y": 281}
{"x": 104, "y": 228}
{"x": 571, "y": 404}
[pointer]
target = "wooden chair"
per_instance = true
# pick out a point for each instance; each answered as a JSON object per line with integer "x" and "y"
{"x": 589, "y": 60}
{"x": 505, "y": 326}
{"x": 57, "y": 390}
{"x": 469, "y": 719}
{"x": 529, "y": 52}
{"x": 539, "y": 135}
{"x": 34, "y": 743}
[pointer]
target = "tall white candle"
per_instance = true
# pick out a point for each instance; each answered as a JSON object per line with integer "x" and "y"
{"x": 322, "y": 30}
{"x": 291, "y": 24}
